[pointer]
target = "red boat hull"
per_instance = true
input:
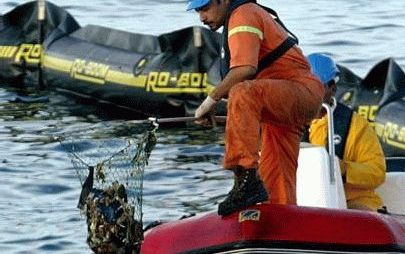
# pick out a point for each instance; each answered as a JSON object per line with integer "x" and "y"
{"x": 273, "y": 228}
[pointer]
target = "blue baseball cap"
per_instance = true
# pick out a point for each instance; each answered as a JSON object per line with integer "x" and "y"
{"x": 324, "y": 68}
{"x": 195, "y": 4}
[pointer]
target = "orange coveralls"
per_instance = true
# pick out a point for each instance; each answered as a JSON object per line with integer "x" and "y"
{"x": 275, "y": 105}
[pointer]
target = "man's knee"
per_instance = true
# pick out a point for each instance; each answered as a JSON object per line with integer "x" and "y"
{"x": 239, "y": 91}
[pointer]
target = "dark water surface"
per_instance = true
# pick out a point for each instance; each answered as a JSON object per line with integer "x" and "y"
{"x": 38, "y": 185}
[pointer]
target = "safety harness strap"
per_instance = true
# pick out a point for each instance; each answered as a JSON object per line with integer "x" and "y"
{"x": 342, "y": 117}
{"x": 276, "y": 53}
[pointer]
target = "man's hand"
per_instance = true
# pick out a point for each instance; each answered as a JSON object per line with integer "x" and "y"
{"x": 204, "y": 111}
{"x": 206, "y": 107}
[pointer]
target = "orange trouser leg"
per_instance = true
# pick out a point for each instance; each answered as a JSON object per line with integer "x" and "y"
{"x": 278, "y": 162}
{"x": 283, "y": 107}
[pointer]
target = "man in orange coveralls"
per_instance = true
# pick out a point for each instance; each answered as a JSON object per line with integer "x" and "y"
{"x": 271, "y": 92}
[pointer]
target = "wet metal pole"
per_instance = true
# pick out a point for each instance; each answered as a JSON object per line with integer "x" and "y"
{"x": 41, "y": 34}
{"x": 174, "y": 120}
{"x": 198, "y": 43}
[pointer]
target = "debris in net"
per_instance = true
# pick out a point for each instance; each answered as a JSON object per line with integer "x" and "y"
{"x": 100, "y": 173}
{"x": 110, "y": 222}
{"x": 111, "y": 173}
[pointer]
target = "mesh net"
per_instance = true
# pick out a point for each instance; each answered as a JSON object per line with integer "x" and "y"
{"x": 110, "y": 170}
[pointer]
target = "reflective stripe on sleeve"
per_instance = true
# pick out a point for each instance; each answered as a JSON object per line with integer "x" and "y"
{"x": 249, "y": 29}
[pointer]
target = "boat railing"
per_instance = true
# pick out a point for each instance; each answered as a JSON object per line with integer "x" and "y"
{"x": 318, "y": 175}
{"x": 331, "y": 140}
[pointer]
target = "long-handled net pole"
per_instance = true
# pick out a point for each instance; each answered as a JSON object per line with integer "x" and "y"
{"x": 174, "y": 120}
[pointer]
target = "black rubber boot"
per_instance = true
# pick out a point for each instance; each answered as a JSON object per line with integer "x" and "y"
{"x": 248, "y": 190}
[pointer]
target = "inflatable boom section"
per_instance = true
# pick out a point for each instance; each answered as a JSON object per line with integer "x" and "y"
{"x": 166, "y": 75}
{"x": 380, "y": 98}
{"x": 20, "y": 46}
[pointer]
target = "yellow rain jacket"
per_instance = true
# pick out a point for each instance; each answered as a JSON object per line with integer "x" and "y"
{"x": 363, "y": 159}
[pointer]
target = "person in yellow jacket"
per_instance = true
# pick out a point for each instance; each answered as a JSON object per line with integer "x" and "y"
{"x": 361, "y": 157}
